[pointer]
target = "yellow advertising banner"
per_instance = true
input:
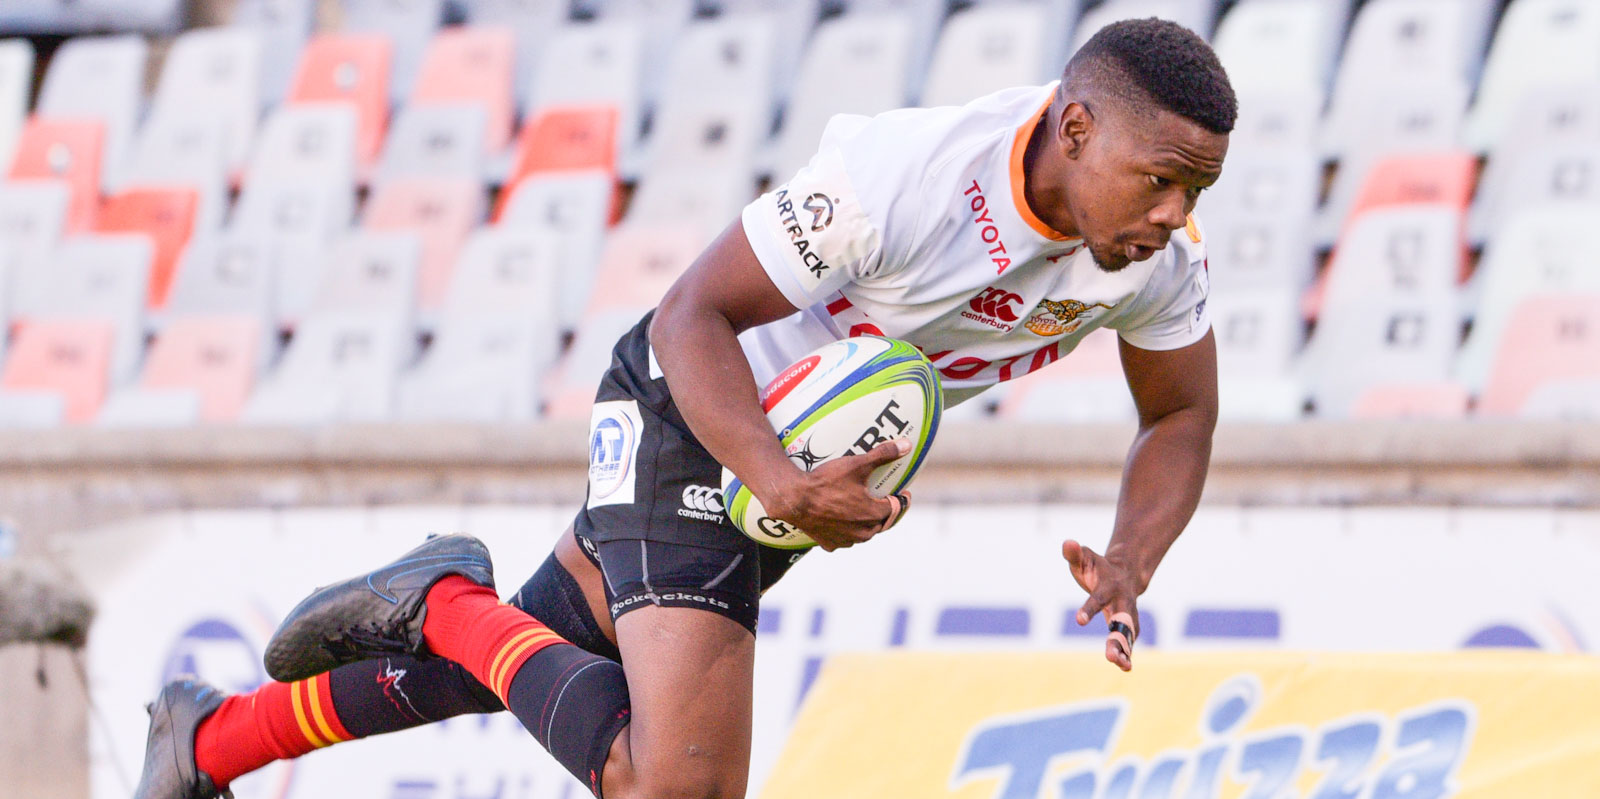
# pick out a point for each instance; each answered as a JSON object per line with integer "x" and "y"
{"x": 1476, "y": 725}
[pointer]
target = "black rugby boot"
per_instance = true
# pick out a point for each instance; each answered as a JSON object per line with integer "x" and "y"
{"x": 376, "y": 614}
{"x": 169, "y": 768}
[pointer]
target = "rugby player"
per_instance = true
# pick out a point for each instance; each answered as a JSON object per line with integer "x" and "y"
{"x": 994, "y": 236}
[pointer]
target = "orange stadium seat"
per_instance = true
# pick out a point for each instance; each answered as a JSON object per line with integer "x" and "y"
{"x": 567, "y": 139}
{"x": 213, "y": 356}
{"x": 442, "y": 211}
{"x": 1550, "y": 337}
{"x": 167, "y": 216}
{"x": 68, "y": 150}
{"x": 1439, "y": 400}
{"x": 67, "y": 357}
{"x": 351, "y": 69}
{"x": 1443, "y": 178}
{"x": 473, "y": 66}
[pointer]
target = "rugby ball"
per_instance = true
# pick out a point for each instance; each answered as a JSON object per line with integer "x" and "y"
{"x": 841, "y": 400}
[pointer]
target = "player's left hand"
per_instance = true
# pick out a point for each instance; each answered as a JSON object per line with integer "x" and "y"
{"x": 1113, "y": 590}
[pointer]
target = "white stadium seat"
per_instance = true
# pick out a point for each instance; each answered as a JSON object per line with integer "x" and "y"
{"x": 339, "y": 367}
{"x": 703, "y": 200}
{"x": 1196, "y": 15}
{"x": 311, "y": 141}
{"x": 1397, "y": 253}
{"x": 99, "y": 78}
{"x": 987, "y": 48}
{"x": 16, "y": 80}
{"x": 215, "y": 72}
{"x": 576, "y": 209}
{"x": 1277, "y": 47}
{"x": 1258, "y": 220}
{"x": 706, "y": 133}
{"x": 666, "y": 25}
{"x": 299, "y": 217}
{"x": 188, "y": 147}
{"x": 1379, "y": 340}
{"x": 730, "y": 61}
{"x": 856, "y": 64}
{"x": 284, "y": 26}
{"x": 509, "y": 270}
{"x": 368, "y": 270}
{"x": 233, "y": 273}
{"x": 481, "y": 367}
{"x": 434, "y": 141}
{"x": 1539, "y": 43}
{"x": 532, "y": 23}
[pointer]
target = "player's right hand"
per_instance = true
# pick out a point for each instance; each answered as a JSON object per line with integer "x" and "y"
{"x": 832, "y": 504}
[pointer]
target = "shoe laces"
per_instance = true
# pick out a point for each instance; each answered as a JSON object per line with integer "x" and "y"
{"x": 368, "y": 638}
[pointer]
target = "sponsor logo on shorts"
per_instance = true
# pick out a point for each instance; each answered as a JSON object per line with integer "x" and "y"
{"x": 1054, "y": 318}
{"x": 671, "y": 598}
{"x": 994, "y": 307}
{"x": 614, "y": 431}
{"x": 703, "y": 503}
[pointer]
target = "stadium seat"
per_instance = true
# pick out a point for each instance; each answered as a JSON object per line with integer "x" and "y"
{"x": 1569, "y": 400}
{"x": 284, "y": 26}
{"x": 731, "y": 60}
{"x": 408, "y": 25}
{"x": 1401, "y": 115}
{"x": 16, "y": 80}
{"x": 1381, "y": 340}
{"x": 1440, "y": 178}
{"x": 298, "y": 217}
{"x": 1196, "y": 15}
{"x": 532, "y": 22}
{"x": 133, "y": 407}
{"x": 481, "y": 367}
{"x": 1554, "y": 115}
{"x": 371, "y": 271}
{"x": 68, "y": 151}
{"x": 1258, "y": 220}
{"x": 509, "y": 270}
{"x": 569, "y": 387}
{"x": 567, "y": 139}
{"x": 166, "y": 217}
{"x": 1539, "y": 43}
{"x": 66, "y": 358}
{"x": 795, "y": 19}
{"x": 1085, "y": 385}
{"x": 1549, "y": 338}
{"x": 1280, "y": 121}
{"x": 574, "y": 211}
{"x": 184, "y": 149}
{"x": 472, "y": 66}
{"x": 1531, "y": 255}
{"x": 32, "y": 214}
{"x": 1394, "y": 254}
{"x": 702, "y": 200}
{"x": 339, "y": 367}
{"x": 215, "y": 359}
{"x": 987, "y": 48}
{"x": 227, "y": 273}
{"x": 307, "y": 142}
{"x": 668, "y": 27}
{"x": 104, "y": 277}
{"x": 926, "y": 18}
{"x": 433, "y": 141}
{"x": 98, "y": 78}
{"x": 599, "y": 63}
{"x": 855, "y": 64}
{"x": 215, "y": 73}
{"x": 442, "y": 211}
{"x": 1276, "y": 47}
{"x": 1555, "y": 172}
{"x": 707, "y": 133}
{"x": 352, "y": 70}
{"x": 1439, "y": 400}
{"x": 1407, "y": 42}
{"x": 1258, "y": 331}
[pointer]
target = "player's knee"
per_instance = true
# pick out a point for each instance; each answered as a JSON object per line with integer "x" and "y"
{"x": 694, "y": 775}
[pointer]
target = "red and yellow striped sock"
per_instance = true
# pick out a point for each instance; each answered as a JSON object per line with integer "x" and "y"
{"x": 467, "y": 623}
{"x": 277, "y": 721}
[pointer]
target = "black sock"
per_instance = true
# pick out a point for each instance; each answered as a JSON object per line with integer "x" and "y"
{"x": 398, "y": 693}
{"x": 575, "y": 703}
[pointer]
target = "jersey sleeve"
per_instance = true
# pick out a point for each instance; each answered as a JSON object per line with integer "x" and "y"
{"x": 1172, "y": 310}
{"x": 837, "y": 220}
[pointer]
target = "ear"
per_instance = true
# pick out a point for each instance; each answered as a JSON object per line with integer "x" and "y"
{"x": 1074, "y": 129}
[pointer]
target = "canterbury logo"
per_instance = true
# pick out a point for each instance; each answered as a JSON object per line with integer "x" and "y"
{"x": 996, "y": 303}
{"x": 702, "y": 498}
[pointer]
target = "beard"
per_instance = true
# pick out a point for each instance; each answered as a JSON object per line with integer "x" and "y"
{"x": 1108, "y": 257}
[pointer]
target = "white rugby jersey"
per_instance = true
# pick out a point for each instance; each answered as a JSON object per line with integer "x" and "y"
{"x": 913, "y": 224}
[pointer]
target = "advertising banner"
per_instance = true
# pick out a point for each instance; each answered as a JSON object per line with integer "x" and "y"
{"x": 201, "y": 592}
{"x": 1197, "y": 726}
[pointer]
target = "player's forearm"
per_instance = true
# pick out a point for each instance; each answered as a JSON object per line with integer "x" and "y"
{"x": 1161, "y": 485}
{"x": 715, "y": 390}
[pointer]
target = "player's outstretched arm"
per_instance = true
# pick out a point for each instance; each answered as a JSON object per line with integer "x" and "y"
{"x": 695, "y": 338}
{"x": 1176, "y": 394}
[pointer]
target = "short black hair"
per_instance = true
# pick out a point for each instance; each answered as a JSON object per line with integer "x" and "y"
{"x": 1155, "y": 62}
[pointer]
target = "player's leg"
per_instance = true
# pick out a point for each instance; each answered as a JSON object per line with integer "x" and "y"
{"x": 225, "y": 737}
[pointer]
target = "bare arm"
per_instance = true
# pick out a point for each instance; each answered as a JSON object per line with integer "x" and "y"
{"x": 694, "y": 335}
{"x": 1176, "y": 394}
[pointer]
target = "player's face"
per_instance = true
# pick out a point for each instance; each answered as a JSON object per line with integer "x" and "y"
{"x": 1137, "y": 180}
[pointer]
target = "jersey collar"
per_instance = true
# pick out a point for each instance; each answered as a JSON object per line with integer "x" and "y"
{"x": 1019, "y": 196}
